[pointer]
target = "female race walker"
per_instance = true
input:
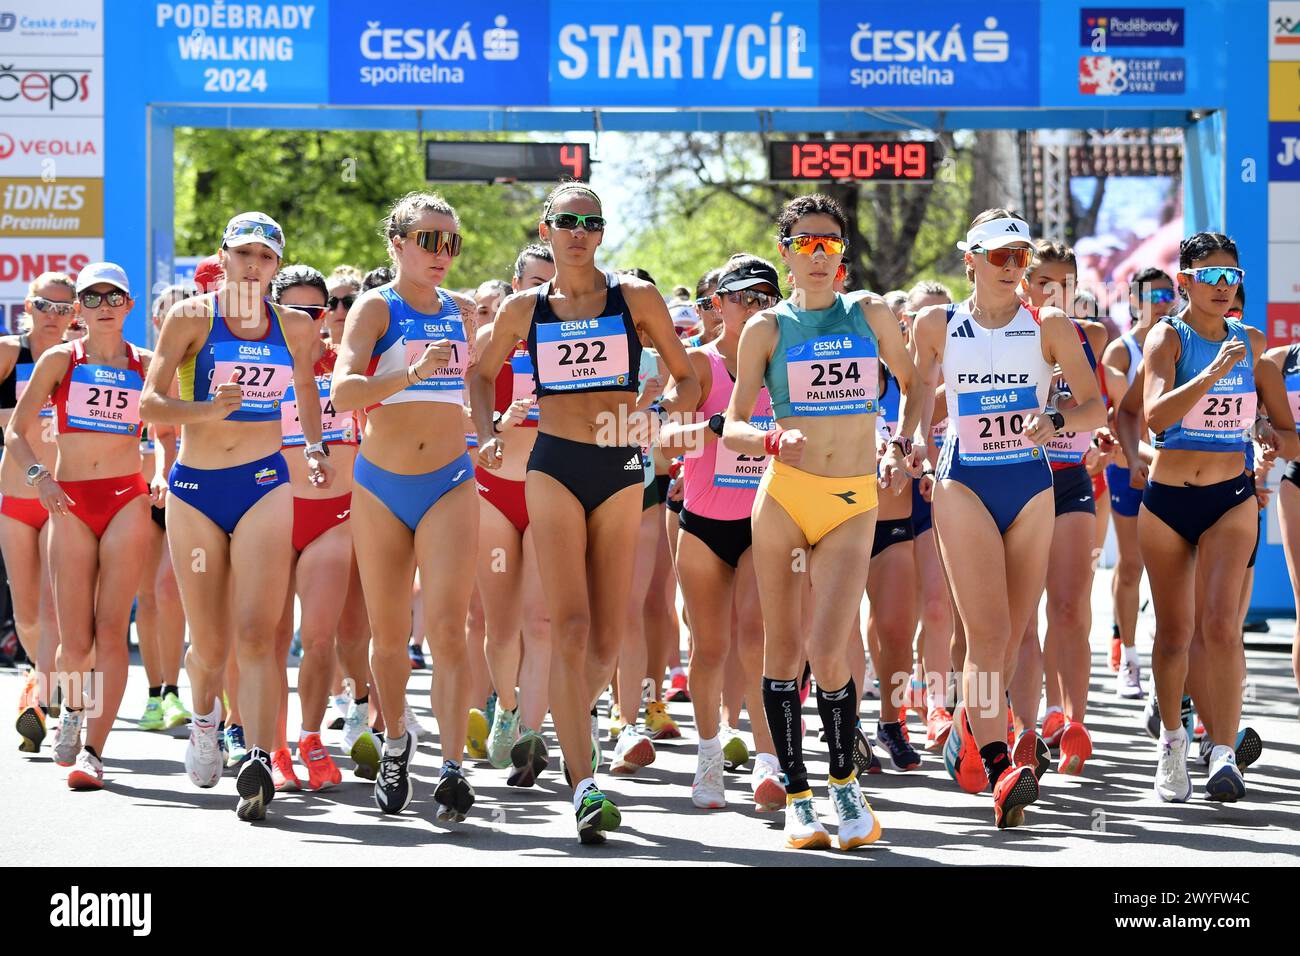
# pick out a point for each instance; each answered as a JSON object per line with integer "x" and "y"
{"x": 818, "y": 354}
{"x": 585, "y": 476}
{"x": 99, "y": 506}
{"x": 993, "y": 501}
{"x": 407, "y": 348}
{"x": 1200, "y": 399}
{"x": 229, "y": 510}
{"x": 48, "y": 310}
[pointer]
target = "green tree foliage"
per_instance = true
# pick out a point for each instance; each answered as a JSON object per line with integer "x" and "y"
{"x": 331, "y": 191}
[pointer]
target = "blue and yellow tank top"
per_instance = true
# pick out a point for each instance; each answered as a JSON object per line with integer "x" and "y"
{"x": 263, "y": 366}
{"x": 826, "y": 362}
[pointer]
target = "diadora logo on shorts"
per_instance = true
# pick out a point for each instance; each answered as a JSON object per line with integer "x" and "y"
{"x": 963, "y": 331}
{"x": 265, "y": 476}
{"x": 633, "y": 464}
{"x": 847, "y": 496}
{"x": 187, "y": 485}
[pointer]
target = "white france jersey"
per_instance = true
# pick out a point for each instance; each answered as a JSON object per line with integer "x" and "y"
{"x": 995, "y": 379}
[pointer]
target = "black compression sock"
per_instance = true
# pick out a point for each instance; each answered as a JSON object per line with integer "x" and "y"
{"x": 781, "y": 705}
{"x": 170, "y": 689}
{"x": 156, "y": 691}
{"x": 838, "y": 710}
{"x": 996, "y": 760}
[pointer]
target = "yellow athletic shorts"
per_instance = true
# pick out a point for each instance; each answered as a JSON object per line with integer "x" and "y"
{"x": 818, "y": 505}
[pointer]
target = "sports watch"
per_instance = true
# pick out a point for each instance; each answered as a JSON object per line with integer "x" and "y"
{"x": 716, "y": 421}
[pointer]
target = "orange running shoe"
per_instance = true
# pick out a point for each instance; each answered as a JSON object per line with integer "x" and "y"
{"x": 321, "y": 772}
{"x": 970, "y": 766}
{"x": 31, "y": 718}
{"x": 1115, "y": 652}
{"x": 1076, "y": 748}
{"x": 1016, "y": 789}
{"x": 1011, "y": 727}
{"x": 1053, "y": 727}
{"x": 282, "y": 776}
{"x": 1031, "y": 751}
{"x": 937, "y": 727}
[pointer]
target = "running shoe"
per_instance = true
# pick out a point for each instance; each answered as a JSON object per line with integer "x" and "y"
{"x": 1248, "y": 748}
{"x": 632, "y": 752}
{"x": 87, "y": 773}
{"x": 453, "y": 794}
{"x": 1225, "y": 784}
{"x": 901, "y": 753}
{"x": 1128, "y": 682}
{"x": 871, "y": 685}
{"x": 1173, "y": 785}
{"x": 236, "y": 750}
{"x": 902, "y": 724}
{"x": 476, "y": 734}
{"x": 1076, "y": 748}
{"x": 31, "y": 716}
{"x": 1116, "y": 646}
{"x": 393, "y": 785}
{"x": 596, "y": 815}
{"x": 152, "y": 719}
{"x": 1151, "y": 717}
{"x": 1198, "y": 732}
{"x": 1016, "y": 789}
{"x": 413, "y": 725}
{"x": 864, "y": 755}
{"x": 340, "y": 702}
{"x": 283, "y": 776}
{"x": 803, "y": 831}
{"x": 615, "y": 721}
{"x": 68, "y": 745}
{"x": 203, "y": 760}
{"x": 678, "y": 687}
{"x": 1053, "y": 727}
{"x": 528, "y": 758}
{"x": 766, "y": 782}
{"x": 659, "y": 724}
{"x": 858, "y": 826}
{"x": 504, "y": 733}
{"x": 221, "y": 741}
{"x": 734, "y": 752}
{"x": 255, "y": 787}
{"x": 490, "y": 709}
{"x": 1011, "y": 726}
{"x": 707, "y": 789}
{"x": 937, "y": 727}
{"x": 174, "y": 713}
{"x": 358, "y": 739}
{"x": 1032, "y": 751}
{"x": 962, "y": 756}
{"x": 595, "y": 755}
{"x": 1188, "y": 716}
{"x": 416, "y": 653}
{"x": 321, "y": 771}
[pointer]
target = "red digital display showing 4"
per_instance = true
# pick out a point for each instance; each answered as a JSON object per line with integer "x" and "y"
{"x": 853, "y": 159}
{"x": 461, "y": 161}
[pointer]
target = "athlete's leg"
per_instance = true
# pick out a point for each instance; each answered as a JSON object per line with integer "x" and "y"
{"x": 1069, "y": 612}
{"x": 632, "y": 653}
{"x": 663, "y": 632}
{"x": 29, "y": 584}
{"x": 146, "y": 609}
{"x": 936, "y": 617}
{"x": 1288, "y": 502}
{"x": 322, "y": 576}
{"x": 535, "y": 666}
{"x": 891, "y": 589}
{"x": 201, "y": 559}
{"x": 1027, "y": 678}
{"x": 1171, "y": 572}
{"x": 1224, "y": 549}
{"x": 707, "y": 583}
{"x": 1127, "y": 578}
{"x": 501, "y": 586}
{"x": 478, "y": 676}
{"x": 171, "y": 618}
{"x": 613, "y": 536}
{"x": 747, "y": 645}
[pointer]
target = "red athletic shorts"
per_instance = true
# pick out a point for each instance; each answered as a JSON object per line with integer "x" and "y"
{"x": 29, "y": 511}
{"x": 505, "y": 495}
{"x": 1099, "y": 490}
{"x": 97, "y": 501}
{"x": 312, "y": 517}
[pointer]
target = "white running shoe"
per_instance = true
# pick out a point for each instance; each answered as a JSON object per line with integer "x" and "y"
{"x": 413, "y": 725}
{"x": 68, "y": 744}
{"x": 858, "y": 825}
{"x": 203, "y": 756}
{"x": 1128, "y": 682}
{"x": 768, "y": 785}
{"x": 632, "y": 751}
{"x": 355, "y": 723}
{"x": 803, "y": 831}
{"x": 708, "y": 792}
{"x": 87, "y": 772}
{"x": 1173, "y": 785}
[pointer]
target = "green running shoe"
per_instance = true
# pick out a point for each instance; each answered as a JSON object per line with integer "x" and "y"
{"x": 596, "y": 816}
{"x": 153, "y": 715}
{"x": 528, "y": 757}
{"x": 174, "y": 713}
{"x": 734, "y": 752}
{"x": 505, "y": 731}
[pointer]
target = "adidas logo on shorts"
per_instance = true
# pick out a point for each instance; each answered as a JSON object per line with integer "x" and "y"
{"x": 634, "y": 464}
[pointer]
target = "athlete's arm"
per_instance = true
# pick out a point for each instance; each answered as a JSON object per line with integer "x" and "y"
{"x": 1061, "y": 347}
{"x": 1130, "y": 425}
{"x": 1164, "y": 404}
{"x": 49, "y": 371}
{"x": 757, "y": 340}
{"x": 893, "y": 349}
{"x": 689, "y": 435}
{"x": 651, "y": 316}
{"x": 1098, "y": 339}
{"x": 183, "y": 332}
{"x": 928, "y": 335}
{"x": 352, "y": 388}
{"x": 1271, "y": 388}
{"x": 1114, "y": 366}
{"x": 300, "y": 336}
{"x": 498, "y": 340}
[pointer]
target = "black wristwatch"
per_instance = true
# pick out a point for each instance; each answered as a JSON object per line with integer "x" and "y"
{"x": 716, "y": 421}
{"x": 1058, "y": 420}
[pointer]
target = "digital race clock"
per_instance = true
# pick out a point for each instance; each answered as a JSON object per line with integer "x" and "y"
{"x": 888, "y": 161}
{"x": 459, "y": 161}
